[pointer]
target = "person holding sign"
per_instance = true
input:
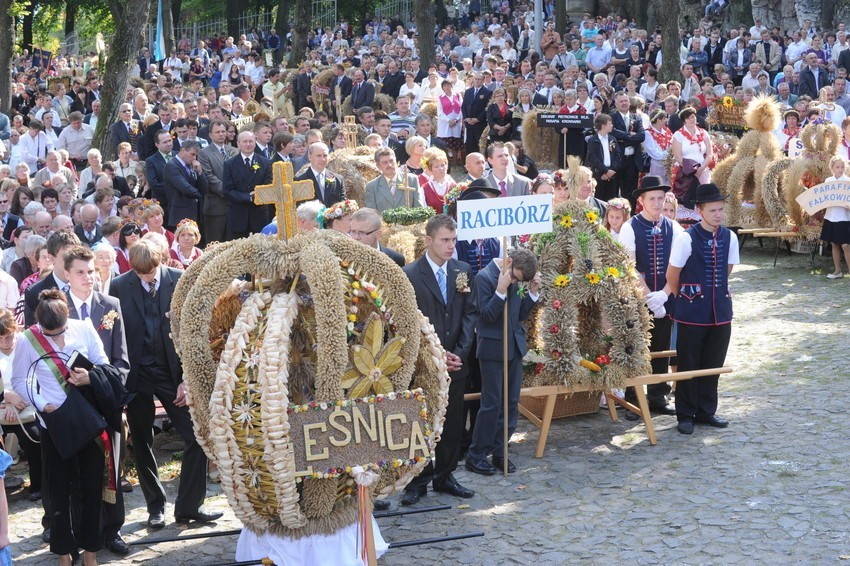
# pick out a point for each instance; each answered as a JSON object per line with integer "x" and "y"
{"x": 836, "y": 220}
{"x": 700, "y": 263}
{"x": 444, "y": 293}
{"x": 514, "y": 280}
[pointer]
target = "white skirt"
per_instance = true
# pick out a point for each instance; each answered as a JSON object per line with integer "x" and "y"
{"x": 339, "y": 549}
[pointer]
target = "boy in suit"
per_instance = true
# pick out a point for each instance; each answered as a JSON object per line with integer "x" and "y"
{"x": 603, "y": 158}
{"x": 498, "y": 283}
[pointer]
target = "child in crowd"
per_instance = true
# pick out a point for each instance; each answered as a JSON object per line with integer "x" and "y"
{"x": 671, "y": 204}
{"x": 836, "y": 221}
{"x": 618, "y": 213}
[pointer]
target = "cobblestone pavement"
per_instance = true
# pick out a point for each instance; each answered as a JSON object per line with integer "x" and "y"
{"x": 770, "y": 489}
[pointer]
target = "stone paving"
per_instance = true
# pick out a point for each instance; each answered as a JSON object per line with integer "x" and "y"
{"x": 770, "y": 489}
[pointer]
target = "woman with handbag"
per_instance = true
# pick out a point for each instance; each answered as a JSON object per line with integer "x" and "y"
{"x": 72, "y": 429}
{"x": 17, "y": 415}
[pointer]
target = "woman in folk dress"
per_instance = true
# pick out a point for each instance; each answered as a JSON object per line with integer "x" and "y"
{"x": 449, "y": 119}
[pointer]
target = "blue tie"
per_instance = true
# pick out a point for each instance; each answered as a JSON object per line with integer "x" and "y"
{"x": 441, "y": 281}
{"x": 84, "y": 312}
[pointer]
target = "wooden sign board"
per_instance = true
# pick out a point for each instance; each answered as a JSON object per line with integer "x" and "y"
{"x": 367, "y": 431}
{"x": 820, "y": 197}
{"x": 730, "y": 116}
{"x": 573, "y": 121}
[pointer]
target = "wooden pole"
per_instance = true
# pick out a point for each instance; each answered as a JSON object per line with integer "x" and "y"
{"x": 505, "y": 384}
{"x": 371, "y": 557}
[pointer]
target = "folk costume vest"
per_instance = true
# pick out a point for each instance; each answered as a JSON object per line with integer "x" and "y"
{"x": 653, "y": 242}
{"x": 703, "y": 298}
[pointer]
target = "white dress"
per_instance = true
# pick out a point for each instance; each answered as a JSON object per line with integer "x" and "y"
{"x": 444, "y": 130}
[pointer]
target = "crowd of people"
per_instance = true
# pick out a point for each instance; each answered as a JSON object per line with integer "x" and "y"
{"x": 84, "y": 238}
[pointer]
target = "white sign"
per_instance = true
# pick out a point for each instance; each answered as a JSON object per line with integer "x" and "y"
{"x": 504, "y": 216}
{"x": 819, "y": 197}
{"x": 795, "y": 148}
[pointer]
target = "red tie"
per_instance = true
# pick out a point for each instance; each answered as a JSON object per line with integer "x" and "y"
{"x": 504, "y": 190}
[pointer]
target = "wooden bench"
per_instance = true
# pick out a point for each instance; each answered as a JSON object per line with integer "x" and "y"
{"x": 551, "y": 392}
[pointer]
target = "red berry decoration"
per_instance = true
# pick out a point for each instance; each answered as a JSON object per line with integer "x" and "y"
{"x": 554, "y": 329}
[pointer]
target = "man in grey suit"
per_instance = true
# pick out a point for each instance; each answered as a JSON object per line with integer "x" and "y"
{"x": 391, "y": 189}
{"x": 212, "y": 164}
{"x": 500, "y": 178}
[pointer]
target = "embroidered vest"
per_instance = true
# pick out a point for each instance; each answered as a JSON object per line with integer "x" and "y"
{"x": 652, "y": 249}
{"x": 703, "y": 298}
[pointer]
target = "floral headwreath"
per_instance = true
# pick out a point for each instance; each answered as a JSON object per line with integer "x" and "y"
{"x": 186, "y": 223}
{"x": 336, "y": 210}
{"x": 559, "y": 177}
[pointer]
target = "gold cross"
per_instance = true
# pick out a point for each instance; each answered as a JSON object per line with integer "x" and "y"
{"x": 285, "y": 194}
{"x": 349, "y": 130}
{"x": 404, "y": 186}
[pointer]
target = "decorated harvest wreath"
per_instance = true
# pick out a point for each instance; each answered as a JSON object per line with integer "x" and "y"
{"x": 593, "y": 329}
{"x": 333, "y": 328}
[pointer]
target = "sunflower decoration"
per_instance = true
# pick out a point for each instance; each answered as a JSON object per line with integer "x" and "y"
{"x": 565, "y": 221}
{"x": 728, "y": 102}
{"x": 374, "y": 362}
{"x": 614, "y": 272}
{"x": 593, "y": 278}
{"x": 592, "y": 216}
{"x": 561, "y": 280}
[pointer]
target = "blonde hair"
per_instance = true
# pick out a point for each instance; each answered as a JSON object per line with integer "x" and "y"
{"x": 190, "y": 227}
{"x": 671, "y": 198}
{"x": 433, "y": 155}
{"x": 835, "y": 159}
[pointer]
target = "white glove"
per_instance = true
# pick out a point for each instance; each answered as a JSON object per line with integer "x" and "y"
{"x": 656, "y": 300}
{"x": 659, "y": 313}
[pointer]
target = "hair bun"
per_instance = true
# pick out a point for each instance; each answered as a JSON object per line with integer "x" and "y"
{"x": 52, "y": 294}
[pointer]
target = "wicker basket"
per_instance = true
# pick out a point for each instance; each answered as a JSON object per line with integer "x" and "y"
{"x": 565, "y": 405}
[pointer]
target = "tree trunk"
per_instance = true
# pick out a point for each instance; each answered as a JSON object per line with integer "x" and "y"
{"x": 176, "y": 9}
{"x": 668, "y": 18}
{"x": 130, "y": 17}
{"x": 70, "y": 17}
{"x": 303, "y": 21}
{"x": 281, "y": 25}
{"x": 26, "y": 29}
{"x": 231, "y": 12}
{"x": 560, "y": 17}
{"x": 7, "y": 45}
{"x": 425, "y": 20}
{"x": 168, "y": 28}
{"x": 841, "y": 14}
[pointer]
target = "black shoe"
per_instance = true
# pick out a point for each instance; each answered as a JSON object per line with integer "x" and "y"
{"x": 499, "y": 462}
{"x": 126, "y": 486}
{"x": 156, "y": 520}
{"x": 45, "y": 536}
{"x": 412, "y": 496}
{"x": 685, "y": 427}
{"x": 381, "y": 504}
{"x": 714, "y": 421}
{"x": 663, "y": 409}
{"x": 451, "y": 487}
{"x": 34, "y": 495}
{"x": 118, "y": 546}
{"x": 630, "y": 416}
{"x": 199, "y": 516}
{"x": 482, "y": 467}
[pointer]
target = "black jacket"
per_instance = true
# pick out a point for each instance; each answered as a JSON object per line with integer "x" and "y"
{"x": 595, "y": 155}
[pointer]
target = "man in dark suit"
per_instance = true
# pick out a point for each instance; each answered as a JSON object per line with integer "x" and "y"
{"x": 714, "y": 50}
{"x": 366, "y": 228}
{"x": 146, "y": 62}
{"x": 362, "y": 91}
{"x": 343, "y": 84}
{"x": 57, "y": 244}
{"x": 212, "y": 160}
{"x": 92, "y": 92}
{"x": 394, "y": 80}
{"x": 124, "y": 129}
{"x": 87, "y": 230}
{"x": 494, "y": 285}
{"x": 813, "y": 78}
{"x": 145, "y": 295}
{"x": 444, "y": 293}
{"x": 303, "y": 87}
{"x": 164, "y": 123}
{"x": 474, "y": 111}
{"x": 629, "y": 133}
{"x": 185, "y": 184}
{"x": 155, "y": 167}
{"x": 87, "y": 304}
{"x": 327, "y": 187}
{"x": 10, "y": 221}
{"x": 241, "y": 174}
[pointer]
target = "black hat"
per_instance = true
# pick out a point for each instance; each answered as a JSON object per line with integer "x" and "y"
{"x": 471, "y": 194}
{"x": 485, "y": 187}
{"x": 650, "y": 183}
{"x": 708, "y": 193}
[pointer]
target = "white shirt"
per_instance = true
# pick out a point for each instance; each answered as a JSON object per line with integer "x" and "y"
{"x": 627, "y": 237}
{"x": 606, "y": 151}
{"x": 837, "y": 213}
{"x": 681, "y": 250}
{"x": 435, "y": 268}
{"x": 8, "y": 294}
{"x": 44, "y": 389}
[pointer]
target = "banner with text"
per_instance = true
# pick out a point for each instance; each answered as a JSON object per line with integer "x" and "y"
{"x": 504, "y": 216}
{"x": 819, "y": 197}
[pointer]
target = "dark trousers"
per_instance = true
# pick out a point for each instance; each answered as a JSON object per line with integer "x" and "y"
{"x": 659, "y": 341}
{"x": 606, "y": 190}
{"x": 84, "y": 473}
{"x": 157, "y": 383}
{"x": 215, "y": 228}
{"x": 236, "y": 235}
{"x": 113, "y": 513}
{"x": 487, "y": 436}
{"x": 700, "y": 347}
{"x": 473, "y": 139}
{"x": 627, "y": 176}
{"x": 470, "y": 408}
{"x": 448, "y": 449}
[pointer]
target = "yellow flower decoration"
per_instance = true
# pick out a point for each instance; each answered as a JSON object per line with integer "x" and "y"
{"x": 352, "y": 318}
{"x": 561, "y": 280}
{"x": 255, "y": 166}
{"x": 566, "y": 221}
{"x": 613, "y": 272}
{"x": 374, "y": 361}
{"x": 727, "y": 101}
{"x": 591, "y": 216}
{"x": 593, "y": 278}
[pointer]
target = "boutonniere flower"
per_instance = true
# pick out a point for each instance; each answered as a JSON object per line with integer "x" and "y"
{"x": 255, "y": 167}
{"x": 108, "y": 320}
{"x": 329, "y": 179}
{"x": 611, "y": 146}
{"x": 522, "y": 290}
{"x": 462, "y": 282}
